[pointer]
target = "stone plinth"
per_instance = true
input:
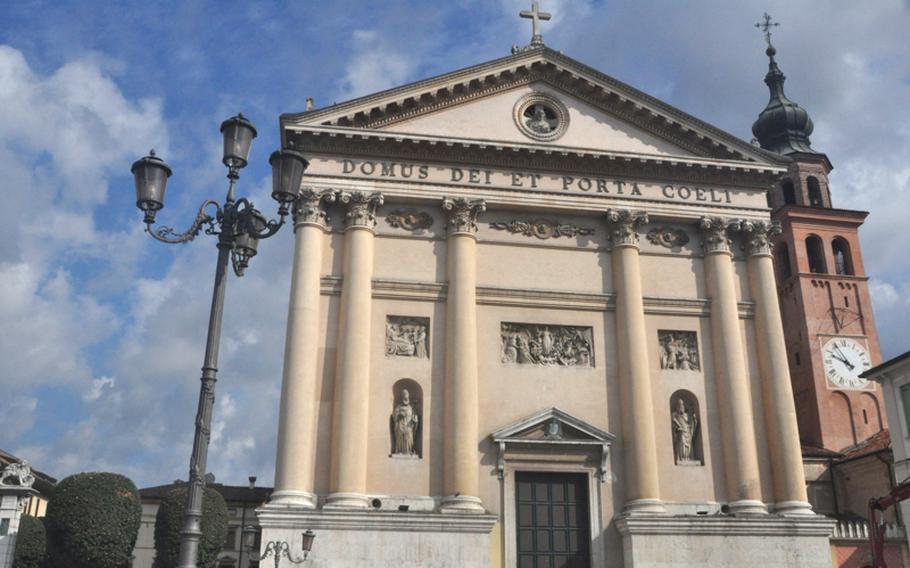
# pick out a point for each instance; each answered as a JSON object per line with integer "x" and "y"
{"x": 382, "y": 539}
{"x": 723, "y": 541}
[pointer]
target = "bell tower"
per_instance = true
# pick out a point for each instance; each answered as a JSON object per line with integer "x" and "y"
{"x": 822, "y": 285}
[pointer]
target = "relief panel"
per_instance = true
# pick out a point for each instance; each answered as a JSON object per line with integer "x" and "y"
{"x": 678, "y": 350}
{"x": 547, "y": 345}
{"x": 407, "y": 336}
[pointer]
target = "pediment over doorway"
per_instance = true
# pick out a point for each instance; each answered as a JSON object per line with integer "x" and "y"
{"x": 553, "y": 429}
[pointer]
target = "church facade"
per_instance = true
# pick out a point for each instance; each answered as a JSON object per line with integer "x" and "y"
{"x": 533, "y": 322}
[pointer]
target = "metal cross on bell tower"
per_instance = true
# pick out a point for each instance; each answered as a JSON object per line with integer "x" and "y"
{"x": 535, "y": 15}
{"x": 765, "y": 25}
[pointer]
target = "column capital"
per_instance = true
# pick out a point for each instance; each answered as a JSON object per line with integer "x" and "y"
{"x": 360, "y": 208}
{"x": 309, "y": 209}
{"x": 623, "y": 226}
{"x": 715, "y": 233}
{"x": 462, "y": 214}
{"x": 759, "y": 235}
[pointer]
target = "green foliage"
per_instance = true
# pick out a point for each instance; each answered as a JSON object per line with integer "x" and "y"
{"x": 93, "y": 521}
{"x": 31, "y": 543}
{"x": 169, "y": 520}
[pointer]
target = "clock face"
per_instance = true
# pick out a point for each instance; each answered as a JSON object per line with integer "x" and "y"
{"x": 845, "y": 359}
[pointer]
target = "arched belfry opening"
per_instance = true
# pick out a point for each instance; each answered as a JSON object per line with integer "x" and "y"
{"x": 815, "y": 253}
{"x": 789, "y": 191}
{"x": 815, "y": 192}
{"x": 843, "y": 261}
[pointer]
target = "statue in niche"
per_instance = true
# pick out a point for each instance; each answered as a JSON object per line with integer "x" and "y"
{"x": 407, "y": 337}
{"x": 678, "y": 351}
{"x": 404, "y": 422}
{"x": 685, "y": 426}
{"x": 547, "y": 345}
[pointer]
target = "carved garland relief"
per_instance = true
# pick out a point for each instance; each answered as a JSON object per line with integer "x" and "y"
{"x": 407, "y": 337}
{"x": 668, "y": 237}
{"x": 547, "y": 345}
{"x": 409, "y": 219}
{"x": 541, "y": 228}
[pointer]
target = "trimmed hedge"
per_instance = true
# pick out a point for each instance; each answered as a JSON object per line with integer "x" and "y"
{"x": 93, "y": 521}
{"x": 31, "y": 543}
{"x": 169, "y": 520}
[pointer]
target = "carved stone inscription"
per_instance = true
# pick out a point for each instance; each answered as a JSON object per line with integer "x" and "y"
{"x": 547, "y": 345}
{"x": 678, "y": 350}
{"x": 407, "y": 337}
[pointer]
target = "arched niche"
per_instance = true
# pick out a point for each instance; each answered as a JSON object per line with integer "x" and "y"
{"x": 842, "y": 411}
{"x": 870, "y": 415}
{"x": 406, "y": 420}
{"x": 782, "y": 255}
{"x": 685, "y": 427}
{"x": 789, "y": 191}
{"x": 815, "y": 252}
{"x": 843, "y": 261}
{"x": 815, "y": 192}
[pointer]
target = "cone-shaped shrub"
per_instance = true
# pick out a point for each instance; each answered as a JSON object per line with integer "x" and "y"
{"x": 169, "y": 520}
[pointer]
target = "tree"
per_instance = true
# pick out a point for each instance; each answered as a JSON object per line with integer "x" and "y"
{"x": 92, "y": 521}
{"x": 169, "y": 520}
{"x": 31, "y": 543}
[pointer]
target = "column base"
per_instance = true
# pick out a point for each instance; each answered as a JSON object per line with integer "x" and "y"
{"x": 462, "y": 504}
{"x": 792, "y": 509}
{"x": 645, "y": 507}
{"x": 747, "y": 507}
{"x": 347, "y": 501}
{"x": 291, "y": 498}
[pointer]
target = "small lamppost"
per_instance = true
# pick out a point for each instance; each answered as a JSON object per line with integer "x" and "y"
{"x": 239, "y": 228}
{"x": 277, "y": 548}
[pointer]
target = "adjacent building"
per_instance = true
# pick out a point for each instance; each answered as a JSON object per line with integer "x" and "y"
{"x": 242, "y": 501}
{"x": 894, "y": 378}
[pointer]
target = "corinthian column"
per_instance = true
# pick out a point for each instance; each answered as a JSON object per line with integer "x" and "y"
{"x": 731, "y": 375}
{"x": 294, "y": 465}
{"x": 639, "y": 443}
{"x": 461, "y": 398}
{"x": 352, "y": 366}
{"x": 777, "y": 394}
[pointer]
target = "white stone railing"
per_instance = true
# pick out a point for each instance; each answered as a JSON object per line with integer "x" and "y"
{"x": 859, "y": 530}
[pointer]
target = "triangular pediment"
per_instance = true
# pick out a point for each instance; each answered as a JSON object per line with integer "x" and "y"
{"x": 552, "y": 426}
{"x": 484, "y": 102}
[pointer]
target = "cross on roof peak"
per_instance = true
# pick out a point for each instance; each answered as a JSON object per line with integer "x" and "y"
{"x": 535, "y": 15}
{"x": 765, "y": 25}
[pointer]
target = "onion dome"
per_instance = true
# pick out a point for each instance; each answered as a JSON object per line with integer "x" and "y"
{"x": 783, "y": 127}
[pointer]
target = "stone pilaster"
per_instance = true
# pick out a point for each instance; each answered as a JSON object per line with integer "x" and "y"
{"x": 639, "y": 443}
{"x": 352, "y": 366}
{"x": 731, "y": 374}
{"x": 295, "y": 462}
{"x": 777, "y": 394}
{"x": 461, "y": 388}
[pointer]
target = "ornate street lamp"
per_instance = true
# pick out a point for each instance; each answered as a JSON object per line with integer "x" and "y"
{"x": 277, "y": 548}
{"x": 239, "y": 228}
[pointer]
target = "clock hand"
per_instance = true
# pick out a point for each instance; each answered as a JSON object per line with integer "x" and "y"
{"x": 842, "y": 358}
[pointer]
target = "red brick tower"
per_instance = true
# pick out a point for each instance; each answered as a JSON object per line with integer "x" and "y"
{"x": 824, "y": 291}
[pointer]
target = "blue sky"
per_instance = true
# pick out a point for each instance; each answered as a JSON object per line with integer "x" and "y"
{"x": 104, "y": 328}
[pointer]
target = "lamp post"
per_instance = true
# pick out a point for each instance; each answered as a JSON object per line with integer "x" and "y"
{"x": 239, "y": 228}
{"x": 277, "y": 548}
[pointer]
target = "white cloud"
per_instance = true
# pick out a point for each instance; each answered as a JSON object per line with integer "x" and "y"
{"x": 375, "y": 64}
{"x": 98, "y": 387}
